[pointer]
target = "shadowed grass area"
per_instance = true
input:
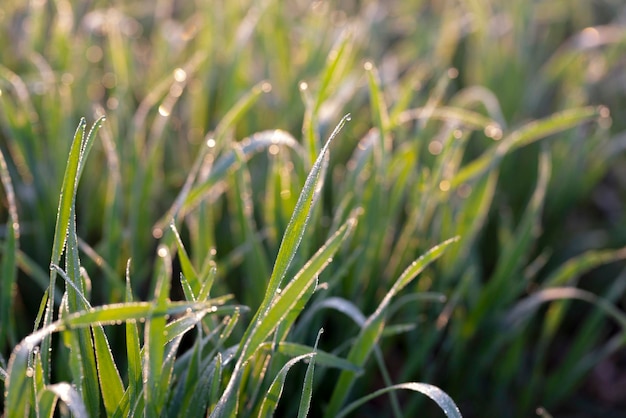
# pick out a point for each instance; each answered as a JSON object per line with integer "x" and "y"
{"x": 434, "y": 184}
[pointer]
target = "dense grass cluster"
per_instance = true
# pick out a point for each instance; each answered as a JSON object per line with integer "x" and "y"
{"x": 310, "y": 208}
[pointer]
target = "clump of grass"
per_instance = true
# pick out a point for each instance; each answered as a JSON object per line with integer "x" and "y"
{"x": 204, "y": 251}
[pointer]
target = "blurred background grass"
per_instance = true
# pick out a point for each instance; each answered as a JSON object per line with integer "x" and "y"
{"x": 167, "y": 76}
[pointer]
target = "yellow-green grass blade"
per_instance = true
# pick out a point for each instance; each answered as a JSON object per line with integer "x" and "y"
{"x": 335, "y": 64}
{"x": 291, "y": 296}
{"x": 8, "y": 268}
{"x": 188, "y": 271}
{"x": 381, "y": 116}
{"x": 295, "y": 228}
{"x": 133, "y": 351}
{"x": 189, "y": 195}
{"x": 500, "y": 290}
{"x": 312, "y": 269}
{"x": 66, "y": 199}
{"x": 82, "y": 349}
{"x": 189, "y": 199}
{"x": 457, "y": 115}
{"x": 443, "y": 400}
{"x": 372, "y": 329}
{"x": 259, "y": 326}
{"x": 525, "y": 135}
{"x": 76, "y": 160}
{"x": 16, "y": 383}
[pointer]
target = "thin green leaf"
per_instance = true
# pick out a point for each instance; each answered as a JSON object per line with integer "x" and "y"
{"x": 272, "y": 396}
{"x": 307, "y": 389}
{"x": 373, "y": 327}
{"x": 442, "y": 399}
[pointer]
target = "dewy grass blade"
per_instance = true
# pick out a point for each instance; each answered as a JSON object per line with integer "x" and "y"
{"x": 442, "y": 399}
{"x": 78, "y": 154}
{"x": 373, "y": 327}
{"x": 133, "y": 350}
{"x": 291, "y": 295}
{"x": 307, "y": 390}
{"x": 66, "y": 199}
{"x": 288, "y": 247}
{"x": 83, "y": 350}
{"x": 154, "y": 337}
{"x": 69, "y": 395}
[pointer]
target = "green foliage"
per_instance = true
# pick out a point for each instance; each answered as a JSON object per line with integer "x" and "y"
{"x": 182, "y": 257}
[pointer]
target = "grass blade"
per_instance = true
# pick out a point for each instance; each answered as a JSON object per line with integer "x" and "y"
{"x": 442, "y": 399}
{"x": 373, "y": 327}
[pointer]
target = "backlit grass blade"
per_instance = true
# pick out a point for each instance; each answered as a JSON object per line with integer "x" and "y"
{"x": 257, "y": 331}
{"x": 66, "y": 200}
{"x": 8, "y": 268}
{"x": 154, "y": 335}
{"x": 525, "y": 135}
{"x": 190, "y": 196}
{"x": 373, "y": 327}
{"x": 76, "y": 160}
{"x": 291, "y": 295}
{"x": 442, "y": 399}
{"x": 133, "y": 350}
{"x": 17, "y": 383}
{"x": 185, "y": 263}
{"x": 82, "y": 350}
{"x": 581, "y": 264}
{"x": 297, "y": 224}
{"x": 526, "y": 307}
{"x": 66, "y": 393}
{"x": 272, "y": 396}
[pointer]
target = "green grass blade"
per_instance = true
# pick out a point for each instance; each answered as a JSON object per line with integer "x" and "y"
{"x": 527, "y": 134}
{"x": 373, "y": 327}
{"x": 154, "y": 336}
{"x": 442, "y": 399}
{"x": 272, "y": 396}
{"x": 187, "y": 268}
{"x": 307, "y": 390}
{"x": 285, "y": 301}
{"x": 69, "y": 395}
{"x": 66, "y": 200}
{"x": 8, "y": 268}
{"x": 133, "y": 350}
{"x": 581, "y": 264}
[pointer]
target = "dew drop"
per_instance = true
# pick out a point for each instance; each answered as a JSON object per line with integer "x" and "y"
{"x": 162, "y": 251}
{"x": 180, "y": 75}
{"x": 163, "y": 111}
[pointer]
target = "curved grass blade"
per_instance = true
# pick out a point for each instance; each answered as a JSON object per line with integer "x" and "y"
{"x": 286, "y": 252}
{"x": 442, "y": 399}
{"x": 68, "y": 394}
{"x": 270, "y": 401}
{"x": 372, "y": 329}
{"x": 527, "y": 134}
{"x": 307, "y": 390}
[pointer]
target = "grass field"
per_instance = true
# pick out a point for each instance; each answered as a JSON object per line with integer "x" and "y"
{"x": 350, "y": 208}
